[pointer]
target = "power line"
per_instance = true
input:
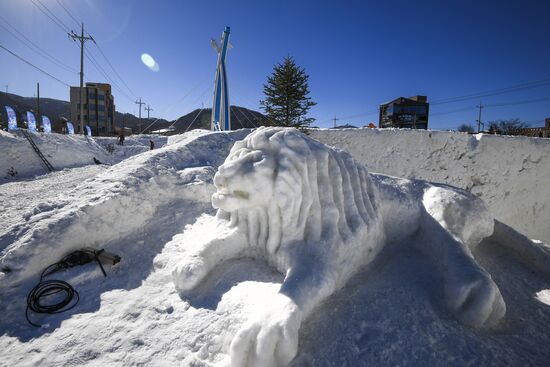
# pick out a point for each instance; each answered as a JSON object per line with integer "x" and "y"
{"x": 36, "y": 67}
{"x": 263, "y": 118}
{"x": 177, "y": 102}
{"x": 114, "y": 70}
{"x": 192, "y": 103}
{"x": 494, "y": 92}
{"x": 235, "y": 116}
{"x": 246, "y": 118}
{"x": 102, "y": 71}
{"x": 100, "y": 50}
{"x": 503, "y": 104}
{"x": 34, "y": 47}
{"x": 192, "y": 122}
{"x": 469, "y": 108}
{"x": 44, "y": 9}
{"x": 253, "y": 117}
{"x": 518, "y": 102}
{"x": 68, "y": 12}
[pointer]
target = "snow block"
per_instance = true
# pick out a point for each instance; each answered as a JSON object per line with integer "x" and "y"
{"x": 319, "y": 216}
{"x": 510, "y": 173}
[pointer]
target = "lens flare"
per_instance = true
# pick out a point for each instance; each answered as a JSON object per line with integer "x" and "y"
{"x": 148, "y": 61}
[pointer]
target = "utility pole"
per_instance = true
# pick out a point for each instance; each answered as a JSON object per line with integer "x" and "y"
{"x": 148, "y": 109}
{"x": 6, "y": 89}
{"x": 479, "y": 117}
{"x": 38, "y": 98}
{"x": 139, "y": 124}
{"x": 335, "y": 119}
{"x": 82, "y": 39}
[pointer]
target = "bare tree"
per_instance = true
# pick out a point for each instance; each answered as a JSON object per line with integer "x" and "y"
{"x": 506, "y": 127}
{"x": 466, "y": 128}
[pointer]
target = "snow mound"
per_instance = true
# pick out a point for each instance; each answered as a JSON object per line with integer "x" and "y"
{"x": 62, "y": 151}
{"x": 510, "y": 174}
{"x": 319, "y": 217}
{"x": 114, "y": 204}
{"x": 133, "y": 144}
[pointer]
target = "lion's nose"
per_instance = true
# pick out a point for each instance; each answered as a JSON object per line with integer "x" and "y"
{"x": 220, "y": 180}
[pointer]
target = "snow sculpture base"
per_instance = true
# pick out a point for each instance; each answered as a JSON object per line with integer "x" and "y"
{"x": 318, "y": 216}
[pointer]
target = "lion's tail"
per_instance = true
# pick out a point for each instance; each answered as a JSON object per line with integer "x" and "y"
{"x": 533, "y": 252}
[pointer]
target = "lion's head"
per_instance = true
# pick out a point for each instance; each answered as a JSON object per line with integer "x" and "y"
{"x": 280, "y": 185}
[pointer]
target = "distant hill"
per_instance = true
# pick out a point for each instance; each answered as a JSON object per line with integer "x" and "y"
{"x": 200, "y": 119}
{"x": 53, "y": 108}
{"x": 241, "y": 117}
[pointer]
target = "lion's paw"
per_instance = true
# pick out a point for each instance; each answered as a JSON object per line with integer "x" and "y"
{"x": 270, "y": 339}
{"x": 188, "y": 273}
{"x": 475, "y": 299}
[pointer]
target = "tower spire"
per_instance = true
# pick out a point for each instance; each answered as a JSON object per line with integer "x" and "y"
{"x": 221, "y": 116}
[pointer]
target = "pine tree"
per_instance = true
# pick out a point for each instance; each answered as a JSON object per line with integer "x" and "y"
{"x": 286, "y": 100}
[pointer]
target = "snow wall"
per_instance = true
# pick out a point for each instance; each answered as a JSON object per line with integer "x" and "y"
{"x": 66, "y": 151}
{"x": 512, "y": 174}
{"x": 62, "y": 151}
{"x": 133, "y": 144}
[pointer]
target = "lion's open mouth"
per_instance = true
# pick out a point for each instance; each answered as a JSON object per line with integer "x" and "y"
{"x": 236, "y": 193}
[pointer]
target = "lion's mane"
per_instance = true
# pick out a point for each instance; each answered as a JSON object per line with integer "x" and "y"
{"x": 321, "y": 196}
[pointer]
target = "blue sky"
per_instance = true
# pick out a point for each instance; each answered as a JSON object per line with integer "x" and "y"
{"x": 358, "y": 53}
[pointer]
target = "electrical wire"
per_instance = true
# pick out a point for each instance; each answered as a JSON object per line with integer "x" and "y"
{"x": 235, "y": 115}
{"x": 517, "y": 102}
{"x": 34, "y": 66}
{"x": 246, "y": 118}
{"x": 68, "y": 12}
{"x": 34, "y": 47}
{"x": 114, "y": 70}
{"x": 39, "y": 299}
{"x": 193, "y": 121}
{"x": 102, "y": 71}
{"x": 514, "y": 88}
{"x": 176, "y": 103}
{"x": 99, "y": 48}
{"x": 44, "y": 9}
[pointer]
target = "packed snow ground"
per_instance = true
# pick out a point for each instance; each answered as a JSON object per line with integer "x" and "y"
{"x": 391, "y": 314}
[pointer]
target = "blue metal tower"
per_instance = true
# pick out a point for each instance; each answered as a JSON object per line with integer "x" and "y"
{"x": 221, "y": 117}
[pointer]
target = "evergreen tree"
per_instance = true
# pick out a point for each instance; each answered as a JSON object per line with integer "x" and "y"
{"x": 286, "y": 100}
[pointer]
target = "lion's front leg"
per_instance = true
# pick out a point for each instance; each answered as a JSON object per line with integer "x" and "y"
{"x": 214, "y": 246}
{"x": 270, "y": 338}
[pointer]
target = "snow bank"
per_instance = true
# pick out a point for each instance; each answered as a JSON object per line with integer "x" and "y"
{"x": 62, "y": 151}
{"x": 114, "y": 204}
{"x": 133, "y": 144}
{"x": 511, "y": 174}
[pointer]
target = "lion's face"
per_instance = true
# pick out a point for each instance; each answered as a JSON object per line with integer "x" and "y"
{"x": 245, "y": 180}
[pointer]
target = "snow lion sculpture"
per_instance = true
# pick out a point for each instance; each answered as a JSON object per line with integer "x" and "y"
{"x": 318, "y": 216}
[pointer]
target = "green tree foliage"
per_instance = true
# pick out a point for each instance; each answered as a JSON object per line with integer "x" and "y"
{"x": 287, "y": 98}
{"x": 506, "y": 127}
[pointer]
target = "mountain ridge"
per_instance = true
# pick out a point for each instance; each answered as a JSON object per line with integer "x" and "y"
{"x": 56, "y": 109}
